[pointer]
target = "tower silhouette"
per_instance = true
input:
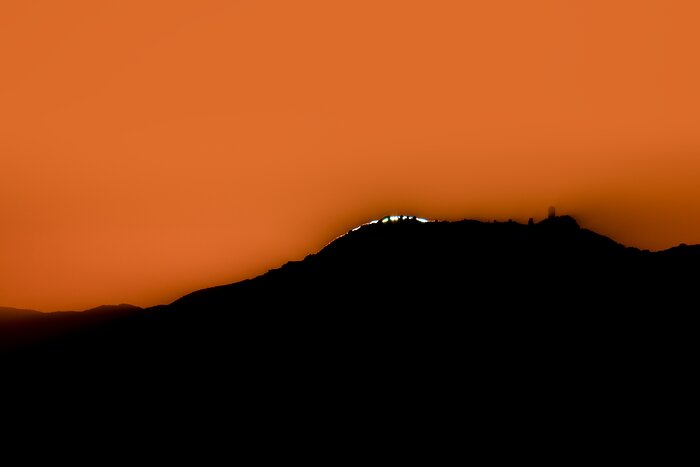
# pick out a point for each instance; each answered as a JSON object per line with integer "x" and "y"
{"x": 551, "y": 213}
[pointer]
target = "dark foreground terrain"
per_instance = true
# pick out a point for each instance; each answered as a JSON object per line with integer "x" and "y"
{"x": 410, "y": 318}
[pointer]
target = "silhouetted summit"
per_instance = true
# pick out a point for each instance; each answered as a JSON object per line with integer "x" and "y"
{"x": 560, "y": 222}
{"x": 465, "y": 267}
{"x": 400, "y": 281}
{"x": 422, "y": 324}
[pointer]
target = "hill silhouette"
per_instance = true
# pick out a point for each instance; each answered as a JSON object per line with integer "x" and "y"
{"x": 398, "y": 282}
{"x": 404, "y": 326}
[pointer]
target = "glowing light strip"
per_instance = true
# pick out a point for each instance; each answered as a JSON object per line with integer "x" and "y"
{"x": 383, "y": 221}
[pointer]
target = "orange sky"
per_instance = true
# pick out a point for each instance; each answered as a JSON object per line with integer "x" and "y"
{"x": 152, "y": 147}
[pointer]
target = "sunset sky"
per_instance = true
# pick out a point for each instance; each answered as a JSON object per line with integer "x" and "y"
{"x": 149, "y": 148}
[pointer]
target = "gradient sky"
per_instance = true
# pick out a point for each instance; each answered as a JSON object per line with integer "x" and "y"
{"x": 149, "y": 148}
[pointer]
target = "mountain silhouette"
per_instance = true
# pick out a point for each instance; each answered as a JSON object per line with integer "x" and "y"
{"x": 501, "y": 326}
{"x": 397, "y": 282}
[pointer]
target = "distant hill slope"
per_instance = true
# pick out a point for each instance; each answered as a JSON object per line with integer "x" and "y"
{"x": 22, "y": 329}
{"x": 7, "y": 313}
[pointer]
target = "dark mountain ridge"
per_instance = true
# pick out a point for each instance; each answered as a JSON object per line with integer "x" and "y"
{"x": 399, "y": 327}
{"x": 6, "y": 311}
{"x": 408, "y": 262}
{"x": 9, "y": 313}
{"x": 435, "y": 281}
{"x": 24, "y": 328}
